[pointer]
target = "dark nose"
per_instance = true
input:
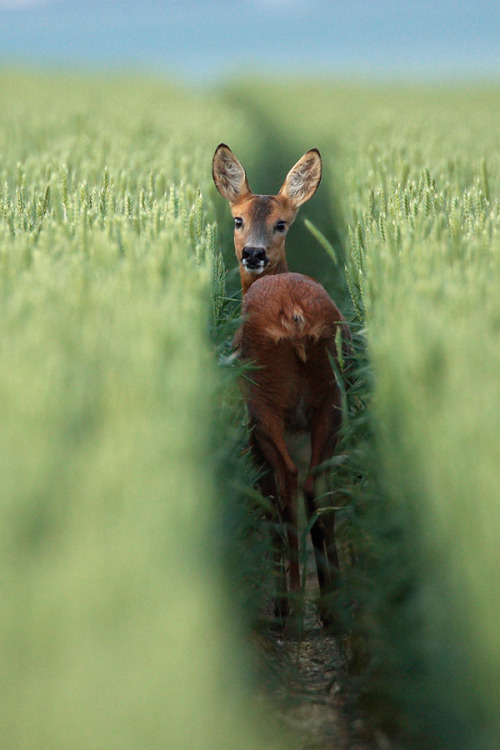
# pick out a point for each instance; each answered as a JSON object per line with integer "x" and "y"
{"x": 253, "y": 255}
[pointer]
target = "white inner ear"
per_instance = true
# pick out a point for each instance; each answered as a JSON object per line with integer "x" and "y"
{"x": 235, "y": 175}
{"x": 299, "y": 183}
{"x": 232, "y": 177}
{"x": 302, "y": 181}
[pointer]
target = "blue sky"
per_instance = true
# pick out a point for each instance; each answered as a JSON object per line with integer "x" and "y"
{"x": 206, "y": 40}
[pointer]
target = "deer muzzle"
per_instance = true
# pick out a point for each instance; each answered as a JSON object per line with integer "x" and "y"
{"x": 254, "y": 259}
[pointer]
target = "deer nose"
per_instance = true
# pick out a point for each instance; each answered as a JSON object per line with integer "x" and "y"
{"x": 254, "y": 257}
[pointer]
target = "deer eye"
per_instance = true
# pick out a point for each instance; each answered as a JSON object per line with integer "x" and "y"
{"x": 238, "y": 222}
{"x": 280, "y": 226}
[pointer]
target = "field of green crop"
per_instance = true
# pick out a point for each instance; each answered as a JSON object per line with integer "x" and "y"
{"x": 414, "y": 209}
{"x": 129, "y": 567}
{"x": 115, "y": 627}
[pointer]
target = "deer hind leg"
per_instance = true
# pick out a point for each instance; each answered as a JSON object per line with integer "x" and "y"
{"x": 271, "y": 445}
{"x": 267, "y": 485}
{"x": 323, "y": 439}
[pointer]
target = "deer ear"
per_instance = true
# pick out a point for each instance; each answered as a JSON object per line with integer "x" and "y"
{"x": 303, "y": 179}
{"x": 229, "y": 176}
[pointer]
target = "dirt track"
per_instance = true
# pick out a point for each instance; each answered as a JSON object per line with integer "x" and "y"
{"x": 310, "y": 689}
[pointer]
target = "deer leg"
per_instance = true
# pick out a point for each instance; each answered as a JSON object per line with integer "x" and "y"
{"x": 323, "y": 439}
{"x": 267, "y": 485}
{"x": 272, "y": 446}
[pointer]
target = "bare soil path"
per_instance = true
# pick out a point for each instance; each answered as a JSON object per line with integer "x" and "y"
{"x": 310, "y": 689}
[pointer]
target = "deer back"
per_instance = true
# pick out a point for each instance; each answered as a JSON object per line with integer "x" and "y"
{"x": 290, "y": 331}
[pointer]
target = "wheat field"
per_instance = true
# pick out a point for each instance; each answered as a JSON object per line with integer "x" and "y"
{"x": 131, "y": 573}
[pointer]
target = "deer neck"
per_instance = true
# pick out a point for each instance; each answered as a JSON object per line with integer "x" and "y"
{"x": 247, "y": 279}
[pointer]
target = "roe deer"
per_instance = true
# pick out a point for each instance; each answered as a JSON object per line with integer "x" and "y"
{"x": 291, "y": 329}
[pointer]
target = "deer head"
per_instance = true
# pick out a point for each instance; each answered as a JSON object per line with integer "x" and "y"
{"x": 261, "y": 222}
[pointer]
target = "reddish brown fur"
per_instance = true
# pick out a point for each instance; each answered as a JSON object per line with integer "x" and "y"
{"x": 280, "y": 209}
{"x": 289, "y": 330}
